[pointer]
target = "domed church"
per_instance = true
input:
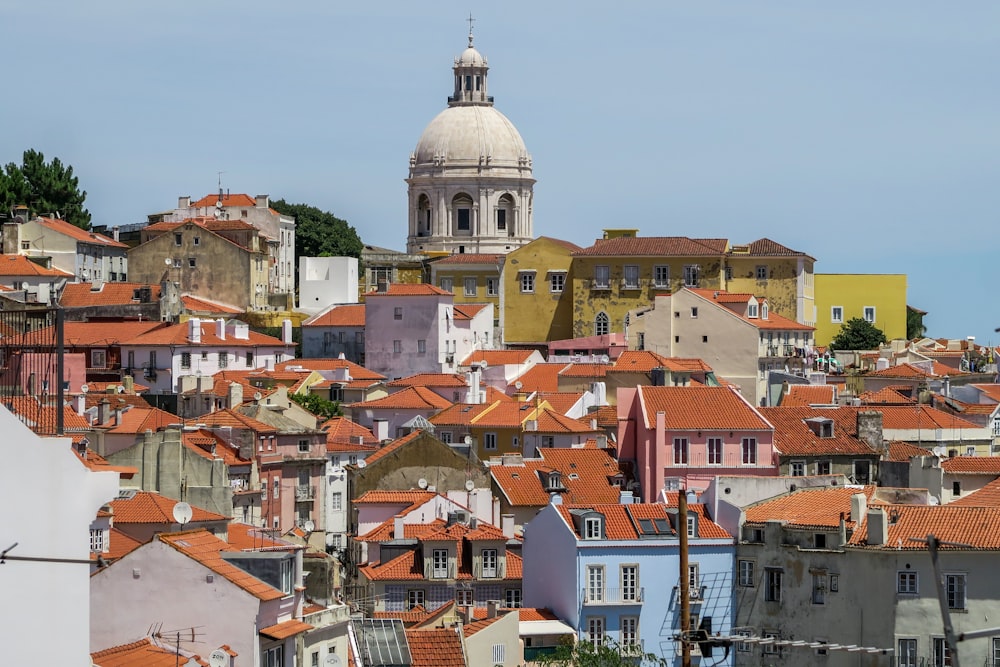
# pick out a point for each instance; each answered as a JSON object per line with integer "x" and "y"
{"x": 470, "y": 183}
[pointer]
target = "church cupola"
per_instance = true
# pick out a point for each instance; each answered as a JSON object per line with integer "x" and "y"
{"x": 470, "y": 78}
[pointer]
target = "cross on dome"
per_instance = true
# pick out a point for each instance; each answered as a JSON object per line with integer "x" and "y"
{"x": 471, "y": 21}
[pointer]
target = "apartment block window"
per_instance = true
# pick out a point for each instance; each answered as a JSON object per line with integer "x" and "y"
{"x": 397, "y": 313}
{"x": 954, "y": 585}
{"x": 223, "y": 359}
{"x": 602, "y": 276}
{"x": 819, "y": 588}
{"x": 490, "y": 441}
{"x": 942, "y": 655}
{"x": 822, "y": 467}
{"x": 249, "y": 359}
{"x": 629, "y": 631}
{"x": 869, "y": 314}
{"x": 276, "y": 486}
{"x": 771, "y": 649}
{"x": 602, "y": 325}
{"x": 996, "y": 651}
{"x": 439, "y": 568}
{"x": 798, "y": 468}
{"x": 746, "y": 573}
{"x": 463, "y": 597}
{"x": 772, "y": 584}
{"x": 421, "y": 346}
{"x": 661, "y": 275}
{"x": 715, "y": 451}
{"x": 337, "y": 501}
{"x": 470, "y": 286}
{"x": 447, "y": 284}
{"x": 595, "y": 583}
{"x": 490, "y": 564}
{"x": 694, "y": 312}
{"x": 178, "y": 239}
{"x": 631, "y": 279}
{"x": 692, "y": 275}
{"x": 397, "y": 347}
{"x": 694, "y": 581}
{"x": 192, "y": 262}
{"x": 592, "y": 528}
{"x": 492, "y": 287}
{"x": 907, "y": 655}
{"x": 906, "y": 582}
{"x": 837, "y": 314}
{"x": 512, "y": 598}
{"x": 177, "y": 262}
{"x": 743, "y": 647}
{"x": 527, "y": 279}
{"x": 680, "y": 451}
{"x": 761, "y": 272}
{"x": 98, "y": 358}
{"x": 630, "y": 583}
{"x": 359, "y": 337}
{"x": 749, "y": 451}
{"x": 595, "y": 630}
{"x": 273, "y": 657}
{"x": 414, "y": 597}
{"x": 97, "y": 541}
{"x": 557, "y": 282}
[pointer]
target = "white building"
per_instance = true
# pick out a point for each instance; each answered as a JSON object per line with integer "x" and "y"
{"x": 327, "y": 280}
{"x": 470, "y": 186}
{"x": 88, "y": 256}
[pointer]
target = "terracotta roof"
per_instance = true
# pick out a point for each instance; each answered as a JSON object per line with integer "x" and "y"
{"x": 119, "y": 544}
{"x": 285, "y": 629}
{"x": 386, "y": 530}
{"x": 677, "y": 246}
{"x": 430, "y": 380}
{"x": 19, "y": 265}
{"x": 95, "y": 388}
{"x": 536, "y": 614}
{"x": 139, "y": 420}
{"x": 904, "y": 451}
{"x": 550, "y": 421}
{"x": 589, "y": 371}
{"x": 467, "y": 311}
{"x": 641, "y": 361}
{"x": 470, "y": 629}
{"x": 211, "y": 446}
{"x": 235, "y": 419}
{"x": 244, "y": 537}
{"x": 87, "y": 334}
{"x": 393, "y": 446}
{"x": 990, "y": 390}
{"x": 205, "y": 548}
{"x": 416, "y": 615}
{"x": 435, "y": 647}
{"x": 987, "y": 496}
{"x": 196, "y": 304}
{"x": 498, "y": 357}
{"x": 42, "y": 418}
{"x": 409, "y": 566}
{"x": 773, "y": 322}
{"x": 378, "y": 497}
{"x": 150, "y": 507}
{"x": 569, "y": 245}
{"x": 354, "y": 370}
{"x": 406, "y": 289}
{"x": 977, "y": 527}
{"x": 711, "y": 408}
{"x": 809, "y": 394}
{"x": 540, "y": 377}
{"x": 606, "y": 416}
{"x": 561, "y": 401}
{"x": 409, "y": 398}
{"x": 78, "y": 295}
{"x": 885, "y": 396}
{"x": 461, "y": 414}
{"x": 342, "y": 435}
{"x": 94, "y": 461}
{"x": 142, "y": 653}
{"x": 348, "y": 315}
{"x": 470, "y": 258}
{"x": 688, "y": 365}
{"x": 177, "y": 334}
{"x": 972, "y": 465}
{"x": 227, "y": 200}
{"x": 767, "y": 248}
{"x": 793, "y": 437}
{"x": 622, "y": 522}
{"x": 810, "y": 508}
{"x": 585, "y": 473}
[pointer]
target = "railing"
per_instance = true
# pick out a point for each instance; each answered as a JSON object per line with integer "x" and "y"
{"x": 305, "y": 493}
{"x": 628, "y": 595}
{"x": 32, "y": 375}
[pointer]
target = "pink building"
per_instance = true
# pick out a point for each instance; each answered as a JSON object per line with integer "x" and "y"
{"x": 689, "y": 435}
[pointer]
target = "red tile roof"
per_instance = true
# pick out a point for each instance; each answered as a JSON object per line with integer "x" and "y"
{"x": 19, "y": 265}
{"x": 460, "y": 414}
{"x": 354, "y": 370}
{"x": 972, "y": 465}
{"x": 540, "y": 377}
{"x": 237, "y": 420}
{"x": 409, "y": 398}
{"x": 74, "y": 232}
{"x": 435, "y": 647}
{"x": 142, "y": 653}
{"x": 205, "y": 548}
{"x": 987, "y": 496}
{"x": 467, "y": 311}
{"x": 810, "y": 508}
{"x": 621, "y": 522}
{"x": 150, "y": 507}
{"x": 585, "y": 473}
{"x": 94, "y": 461}
{"x": 343, "y": 435}
{"x": 209, "y": 445}
{"x": 406, "y": 289}
{"x": 712, "y": 408}
{"x": 470, "y": 258}
{"x": 236, "y": 199}
{"x": 78, "y": 295}
{"x": 412, "y": 497}
{"x": 409, "y": 565}
{"x": 976, "y": 527}
{"x": 793, "y": 437}
{"x": 550, "y": 421}
{"x": 498, "y": 357}
{"x": 885, "y": 396}
{"x": 904, "y": 451}
{"x": 42, "y": 418}
{"x": 194, "y": 304}
{"x": 641, "y": 361}
{"x": 648, "y": 246}
{"x": 393, "y": 446}
{"x": 589, "y": 371}
{"x": 809, "y": 394}
{"x": 88, "y": 334}
{"x": 244, "y": 537}
{"x": 992, "y": 391}
{"x": 285, "y": 629}
{"x": 139, "y": 420}
{"x": 561, "y": 401}
{"x": 177, "y": 334}
{"x": 119, "y": 544}
{"x": 348, "y": 315}
{"x": 430, "y": 380}
{"x": 767, "y": 248}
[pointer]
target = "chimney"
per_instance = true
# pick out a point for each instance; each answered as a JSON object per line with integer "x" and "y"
{"x": 118, "y": 416}
{"x": 625, "y": 497}
{"x": 80, "y": 403}
{"x": 262, "y": 201}
{"x": 492, "y": 607}
{"x": 398, "y": 530}
{"x": 103, "y": 412}
{"x": 184, "y": 202}
{"x": 220, "y": 328}
{"x": 128, "y": 384}
{"x": 843, "y": 530}
{"x": 114, "y": 232}
{"x": 507, "y": 525}
{"x": 286, "y": 332}
{"x": 878, "y": 527}
{"x": 235, "y": 395}
{"x": 194, "y": 330}
{"x": 380, "y": 427}
{"x": 859, "y": 505}
{"x": 870, "y": 429}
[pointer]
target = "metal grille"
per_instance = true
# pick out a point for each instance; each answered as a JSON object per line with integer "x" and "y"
{"x": 32, "y": 370}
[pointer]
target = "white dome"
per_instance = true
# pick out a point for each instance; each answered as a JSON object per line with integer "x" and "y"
{"x": 471, "y": 58}
{"x": 464, "y": 134}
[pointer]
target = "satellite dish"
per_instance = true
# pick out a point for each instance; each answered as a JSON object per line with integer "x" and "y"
{"x": 309, "y": 526}
{"x": 483, "y": 365}
{"x": 605, "y": 358}
{"x": 940, "y": 451}
{"x": 167, "y": 261}
{"x": 84, "y": 389}
{"x": 218, "y": 658}
{"x": 121, "y": 389}
{"x": 182, "y": 513}
{"x": 256, "y": 396}
{"x": 468, "y": 439}
{"x": 469, "y": 485}
{"x": 332, "y": 660}
{"x": 518, "y": 385}
{"x": 422, "y": 483}
{"x": 361, "y": 463}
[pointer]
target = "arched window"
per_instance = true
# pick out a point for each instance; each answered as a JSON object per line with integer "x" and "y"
{"x": 462, "y": 213}
{"x": 423, "y": 216}
{"x": 602, "y": 326}
{"x": 505, "y": 214}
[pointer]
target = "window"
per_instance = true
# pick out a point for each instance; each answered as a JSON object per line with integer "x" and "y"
{"x": 629, "y": 632}
{"x": 527, "y": 279}
{"x": 96, "y": 541}
{"x": 447, "y": 284}
{"x": 746, "y": 573}
{"x": 743, "y": 647}
{"x": 446, "y": 437}
{"x": 463, "y": 597}
{"x": 822, "y": 467}
{"x": 631, "y": 280}
{"x": 490, "y": 441}
{"x": 908, "y": 653}
{"x": 602, "y": 325}
{"x": 798, "y": 468}
{"x": 303, "y": 446}
{"x": 490, "y": 564}
{"x": 602, "y": 276}
{"x": 954, "y": 585}
{"x": 421, "y": 346}
{"x": 337, "y": 393}
{"x": 694, "y": 312}
{"x": 869, "y": 314}
{"x": 680, "y": 451}
{"x": 98, "y": 358}
{"x": 692, "y": 275}
{"x": 761, "y": 272}
{"x": 337, "y": 501}
{"x": 470, "y": 286}
{"x": 512, "y": 598}
{"x": 286, "y": 574}
{"x": 772, "y": 584}
{"x": 192, "y": 262}
{"x": 692, "y": 525}
{"x": 749, "y": 451}
{"x": 314, "y": 660}
{"x": 771, "y": 649}
{"x": 595, "y": 583}
{"x": 595, "y": 630}
{"x": 996, "y": 651}
{"x": 819, "y": 540}
{"x": 751, "y": 310}
{"x": 178, "y": 239}
{"x": 836, "y": 314}
{"x": 763, "y": 316}
{"x": 414, "y": 597}
{"x": 249, "y": 359}
{"x": 661, "y": 276}
{"x": 177, "y": 262}
{"x": 906, "y": 583}
{"x": 464, "y": 219}
{"x": 492, "y": 287}
{"x": 694, "y": 581}
{"x": 715, "y": 451}
{"x": 276, "y": 486}
{"x": 397, "y": 313}
{"x": 501, "y": 213}
{"x": 274, "y": 657}
{"x": 397, "y": 347}
{"x": 25, "y": 245}
{"x": 942, "y": 655}
{"x": 592, "y": 528}
{"x": 223, "y": 359}
{"x": 359, "y": 337}
{"x": 630, "y": 583}
{"x": 557, "y": 282}
{"x": 819, "y": 588}
{"x": 834, "y": 583}
{"x": 439, "y": 568}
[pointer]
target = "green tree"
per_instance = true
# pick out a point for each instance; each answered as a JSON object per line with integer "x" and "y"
{"x": 319, "y": 406}
{"x": 46, "y": 188}
{"x": 320, "y": 233}
{"x": 915, "y": 323}
{"x": 858, "y": 334}
{"x": 608, "y": 654}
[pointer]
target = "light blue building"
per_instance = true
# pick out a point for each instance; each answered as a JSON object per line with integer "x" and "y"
{"x": 612, "y": 572}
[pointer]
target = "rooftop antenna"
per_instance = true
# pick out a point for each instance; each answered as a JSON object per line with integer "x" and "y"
{"x": 471, "y": 21}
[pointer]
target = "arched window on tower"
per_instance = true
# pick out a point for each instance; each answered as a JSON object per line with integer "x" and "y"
{"x": 602, "y": 326}
{"x": 462, "y": 214}
{"x": 423, "y": 216}
{"x": 505, "y": 215}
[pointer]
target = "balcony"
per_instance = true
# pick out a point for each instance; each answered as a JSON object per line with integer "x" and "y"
{"x": 611, "y": 595}
{"x": 600, "y": 284}
{"x": 305, "y": 493}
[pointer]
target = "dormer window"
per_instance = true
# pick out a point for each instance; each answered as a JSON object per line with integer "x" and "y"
{"x": 552, "y": 481}
{"x": 752, "y": 310}
{"x": 763, "y": 311}
{"x": 692, "y": 525}
{"x": 593, "y": 528}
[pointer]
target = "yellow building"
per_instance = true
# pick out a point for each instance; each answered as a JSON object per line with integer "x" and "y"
{"x": 781, "y": 275}
{"x": 471, "y": 278}
{"x": 536, "y": 303}
{"x": 878, "y": 298}
{"x": 382, "y": 265}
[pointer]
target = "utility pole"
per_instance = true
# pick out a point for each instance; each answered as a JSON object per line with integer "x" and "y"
{"x": 685, "y": 577}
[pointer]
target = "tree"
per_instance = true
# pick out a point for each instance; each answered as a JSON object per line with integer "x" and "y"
{"x": 608, "y": 654}
{"x": 320, "y": 233}
{"x": 46, "y": 188}
{"x": 318, "y": 405}
{"x": 858, "y": 334}
{"x": 915, "y": 323}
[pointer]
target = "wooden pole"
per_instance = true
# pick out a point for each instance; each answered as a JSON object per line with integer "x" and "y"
{"x": 685, "y": 577}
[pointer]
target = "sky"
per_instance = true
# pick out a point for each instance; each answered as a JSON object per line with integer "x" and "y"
{"x": 866, "y": 135}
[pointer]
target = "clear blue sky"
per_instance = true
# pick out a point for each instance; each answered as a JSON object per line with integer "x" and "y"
{"x": 864, "y": 134}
